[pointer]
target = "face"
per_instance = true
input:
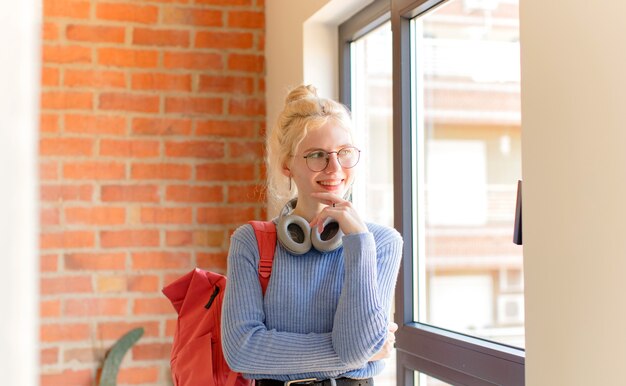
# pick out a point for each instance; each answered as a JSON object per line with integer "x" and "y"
{"x": 334, "y": 178}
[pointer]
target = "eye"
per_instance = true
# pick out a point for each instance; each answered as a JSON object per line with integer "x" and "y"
{"x": 316, "y": 154}
{"x": 347, "y": 152}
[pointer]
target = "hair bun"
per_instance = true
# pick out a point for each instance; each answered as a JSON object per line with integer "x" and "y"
{"x": 301, "y": 92}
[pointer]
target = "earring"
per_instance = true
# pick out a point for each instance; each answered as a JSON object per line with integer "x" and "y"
{"x": 289, "y": 184}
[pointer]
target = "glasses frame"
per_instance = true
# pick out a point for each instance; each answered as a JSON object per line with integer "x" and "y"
{"x": 327, "y": 157}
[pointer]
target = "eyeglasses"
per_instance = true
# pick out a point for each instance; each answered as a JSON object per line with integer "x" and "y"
{"x": 318, "y": 160}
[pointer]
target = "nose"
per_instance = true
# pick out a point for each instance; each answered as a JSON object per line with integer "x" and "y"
{"x": 333, "y": 163}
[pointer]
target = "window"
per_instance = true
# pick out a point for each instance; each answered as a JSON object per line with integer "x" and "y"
{"x": 453, "y": 69}
{"x": 458, "y": 157}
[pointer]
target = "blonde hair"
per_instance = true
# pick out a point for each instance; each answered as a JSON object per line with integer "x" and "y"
{"x": 304, "y": 110}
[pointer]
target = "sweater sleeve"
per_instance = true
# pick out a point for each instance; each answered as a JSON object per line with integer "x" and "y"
{"x": 249, "y": 347}
{"x": 365, "y": 299}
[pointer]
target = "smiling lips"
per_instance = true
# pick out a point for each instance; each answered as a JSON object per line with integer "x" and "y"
{"x": 330, "y": 184}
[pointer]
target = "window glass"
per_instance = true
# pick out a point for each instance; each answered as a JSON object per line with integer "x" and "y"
{"x": 371, "y": 96}
{"x": 422, "y": 379}
{"x": 466, "y": 164}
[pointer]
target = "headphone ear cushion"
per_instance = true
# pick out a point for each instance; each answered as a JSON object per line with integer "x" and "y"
{"x": 293, "y": 232}
{"x": 330, "y": 238}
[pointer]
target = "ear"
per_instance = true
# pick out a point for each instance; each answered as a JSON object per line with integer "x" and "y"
{"x": 285, "y": 170}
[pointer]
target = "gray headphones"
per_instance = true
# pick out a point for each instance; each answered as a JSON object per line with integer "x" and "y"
{"x": 295, "y": 233}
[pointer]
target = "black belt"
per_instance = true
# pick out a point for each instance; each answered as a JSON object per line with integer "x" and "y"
{"x": 316, "y": 382}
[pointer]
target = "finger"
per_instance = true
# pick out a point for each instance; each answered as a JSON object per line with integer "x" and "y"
{"x": 393, "y": 327}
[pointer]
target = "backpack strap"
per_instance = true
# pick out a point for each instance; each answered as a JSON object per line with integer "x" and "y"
{"x": 265, "y": 232}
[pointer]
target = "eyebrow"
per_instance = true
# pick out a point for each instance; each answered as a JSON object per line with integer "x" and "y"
{"x": 319, "y": 148}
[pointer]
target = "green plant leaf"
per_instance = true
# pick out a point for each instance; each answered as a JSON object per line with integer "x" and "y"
{"x": 114, "y": 357}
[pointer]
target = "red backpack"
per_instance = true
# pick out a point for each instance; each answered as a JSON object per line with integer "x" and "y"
{"x": 197, "y": 357}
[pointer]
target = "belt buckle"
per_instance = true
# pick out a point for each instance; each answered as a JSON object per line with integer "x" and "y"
{"x": 306, "y": 381}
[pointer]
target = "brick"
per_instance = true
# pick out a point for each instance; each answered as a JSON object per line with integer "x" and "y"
{"x": 226, "y": 84}
{"x": 152, "y": 306}
{"x": 66, "y": 54}
{"x": 170, "y": 327}
{"x": 152, "y": 351}
{"x": 224, "y": 2}
{"x": 166, "y": 215}
{"x": 147, "y": 14}
{"x": 66, "y": 378}
{"x": 246, "y": 62}
{"x": 193, "y": 16}
{"x": 64, "y": 332}
{"x": 94, "y": 170}
{"x": 129, "y": 193}
{"x": 192, "y": 61}
{"x": 95, "y": 124}
{"x": 95, "y": 33}
{"x": 212, "y": 261}
{"x": 165, "y": 82}
{"x": 66, "y": 147}
{"x": 66, "y": 8}
{"x": 246, "y": 19}
{"x": 194, "y": 194}
{"x": 129, "y": 238}
{"x": 49, "y": 356}
{"x": 195, "y": 149}
{"x": 193, "y": 105}
{"x": 178, "y": 238}
{"x": 225, "y": 172}
{"x": 51, "y": 193}
{"x": 94, "y": 79}
{"x": 161, "y": 37}
{"x": 50, "y": 31}
{"x": 67, "y": 239}
{"x": 49, "y": 263}
{"x": 246, "y": 194}
{"x": 83, "y": 354}
{"x": 161, "y": 260}
{"x": 161, "y": 126}
{"x": 247, "y": 106}
{"x": 224, "y": 40}
{"x": 66, "y": 285}
{"x": 66, "y": 100}
{"x": 225, "y": 215}
{"x": 94, "y": 215}
{"x": 209, "y": 239}
{"x": 115, "y": 330}
{"x": 219, "y": 128}
{"x": 138, "y": 375}
{"x": 129, "y": 148}
{"x": 49, "y": 216}
{"x": 50, "y": 76}
{"x": 144, "y": 283}
{"x": 123, "y": 57}
{"x": 48, "y": 170}
{"x": 90, "y": 307}
{"x": 246, "y": 150}
{"x": 94, "y": 261}
{"x": 49, "y": 308}
{"x": 160, "y": 172}
{"x": 129, "y": 102}
{"x": 49, "y": 123}
{"x": 111, "y": 284}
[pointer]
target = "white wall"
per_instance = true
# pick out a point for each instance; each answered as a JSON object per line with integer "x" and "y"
{"x": 574, "y": 171}
{"x": 20, "y": 28}
{"x": 301, "y": 47}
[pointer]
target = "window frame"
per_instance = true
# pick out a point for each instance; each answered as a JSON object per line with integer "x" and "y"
{"x": 446, "y": 355}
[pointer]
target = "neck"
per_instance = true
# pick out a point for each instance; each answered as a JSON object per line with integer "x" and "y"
{"x": 307, "y": 210}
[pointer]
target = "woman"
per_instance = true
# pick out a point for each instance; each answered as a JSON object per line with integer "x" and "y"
{"x": 326, "y": 313}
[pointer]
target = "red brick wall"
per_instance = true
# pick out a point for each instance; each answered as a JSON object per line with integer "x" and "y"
{"x": 151, "y": 154}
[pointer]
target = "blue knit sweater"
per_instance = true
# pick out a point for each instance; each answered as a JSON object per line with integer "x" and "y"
{"x": 323, "y": 315}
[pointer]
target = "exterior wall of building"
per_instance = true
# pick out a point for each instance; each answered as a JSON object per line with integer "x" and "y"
{"x": 151, "y": 154}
